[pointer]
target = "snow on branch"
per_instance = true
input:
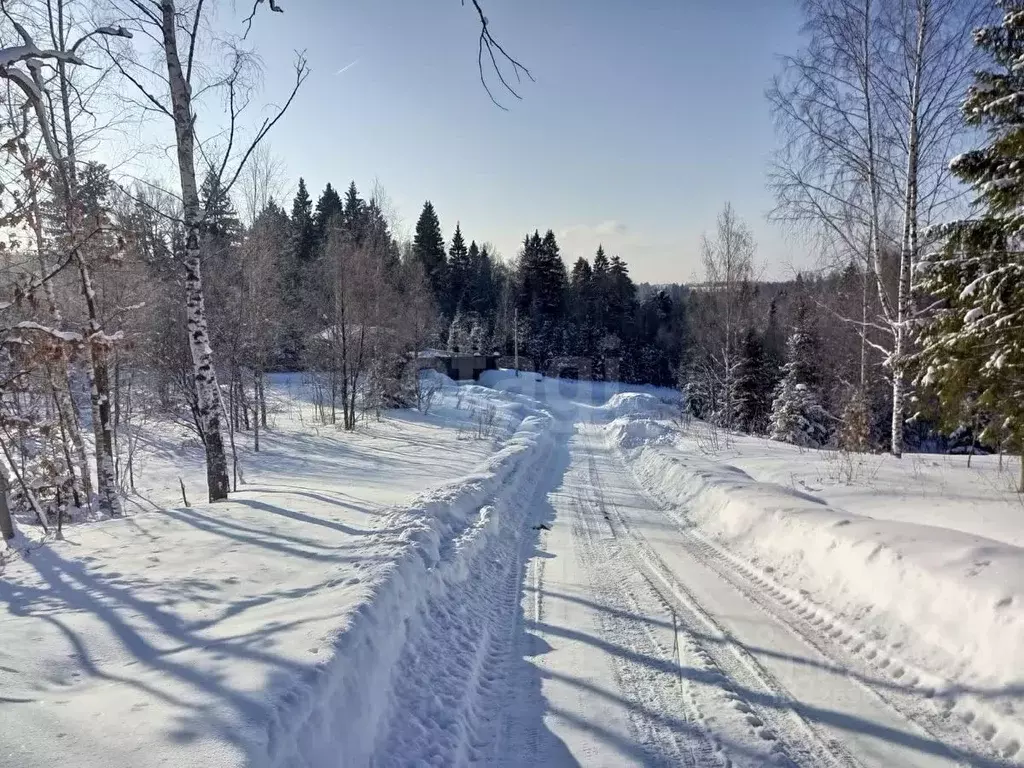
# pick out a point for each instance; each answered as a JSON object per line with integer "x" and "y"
{"x": 29, "y": 50}
{"x": 34, "y": 58}
{"x": 104, "y": 31}
{"x": 69, "y": 337}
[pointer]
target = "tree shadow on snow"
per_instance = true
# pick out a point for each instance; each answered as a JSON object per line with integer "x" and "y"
{"x": 171, "y": 654}
{"x": 841, "y": 720}
{"x": 526, "y": 739}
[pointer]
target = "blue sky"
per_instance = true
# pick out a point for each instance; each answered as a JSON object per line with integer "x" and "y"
{"x": 645, "y": 117}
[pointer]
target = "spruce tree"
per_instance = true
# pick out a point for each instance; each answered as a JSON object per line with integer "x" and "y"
{"x": 484, "y": 291}
{"x": 580, "y": 278}
{"x": 752, "y": 386}
{"x": 601, "y": 265}
{"x": 581, "y": 310}
{"x": 296, "y": 274}
{"x": 600, "y": 287}
{"x": 553, "y": 278}
{"x": 329, "y": 210}
{"x": 528, "y": 276}
{"x": 972, "y": 347}
{"x": 459, "y": 271}
{"x": 221, "y": 226}
{"x": 301, "y": 237}
{"x": 541, "y": 298}
{"x": 355, "y": 214}
{"x": 428, "y": 249}
{"x": 621, "y": 298}
{"x": 470, "y": 295}
{"x": 797, "y": 414}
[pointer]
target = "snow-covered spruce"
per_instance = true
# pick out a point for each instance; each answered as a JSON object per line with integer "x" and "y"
{"x": 797, "y": 416}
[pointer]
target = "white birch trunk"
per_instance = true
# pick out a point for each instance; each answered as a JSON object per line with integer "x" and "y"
{"x": 6, "y": 522}
{"x": 908, "y": 247}
{"x": 108, "y": 500}
{"x": 204, "y": 373}
{"x": 58, "y": 370}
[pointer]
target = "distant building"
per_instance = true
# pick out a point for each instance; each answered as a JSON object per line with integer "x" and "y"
{"x": 457, "y": 365}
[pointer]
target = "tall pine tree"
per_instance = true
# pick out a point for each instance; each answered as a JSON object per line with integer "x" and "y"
{"x": 355, "y": 214}
{"x": 972, "y": 348}
{"x": 752, "y": 387}
{"x": 301, "y": 236}
{"x": 428, "y": 249}
{"x": 541, "y": 299}
{"x": 329, "y": 210}
{"x": 459, "y": 272}
{"x": 221, "y": 226}
{"x": 297, "y": 271}
{"x": 484, "y": 293}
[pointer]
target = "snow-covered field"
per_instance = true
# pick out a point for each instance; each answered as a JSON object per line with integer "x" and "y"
{"x": 536, "y": 572}
{"x": 189, "y": 636}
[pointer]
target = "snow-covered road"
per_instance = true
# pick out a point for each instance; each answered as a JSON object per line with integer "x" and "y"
{"x": 639, "y": 643}
{"x": 577, "y": 586}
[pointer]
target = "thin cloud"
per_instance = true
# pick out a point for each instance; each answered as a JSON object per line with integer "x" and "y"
{"x": 586, "y": 237}
{"x": 610, "y": 228}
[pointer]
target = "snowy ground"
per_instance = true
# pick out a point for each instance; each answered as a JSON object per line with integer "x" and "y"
{"x": 582, "y": 582}
{"x": 929, "y": 489}
{"x": 173, "y": 637}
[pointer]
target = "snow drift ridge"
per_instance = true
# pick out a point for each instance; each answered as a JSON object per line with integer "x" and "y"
{"x": 949, "y": 603}
{"x": 337, "y": 712}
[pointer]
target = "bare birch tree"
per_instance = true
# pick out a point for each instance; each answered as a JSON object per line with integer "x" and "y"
{"x": 77, "y": 233}
{"x": 728, "y": 261}
{"x": 174, "y": 96}
{"x": 868, "y": 113}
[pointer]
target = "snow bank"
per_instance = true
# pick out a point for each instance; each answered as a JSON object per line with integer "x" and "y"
{"x": 592, "y": 400}
{"x": 638, "y": 404}
{"x": 257, "y": 631}
{"x": 341, "y": 707}
{"x": 639, "y": 432}
{"x": 948, "y": 604}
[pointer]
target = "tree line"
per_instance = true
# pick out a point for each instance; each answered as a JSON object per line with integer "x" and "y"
{"x": 80, "y": 298}
{"x": 909, "y": 335}
{"x": 122, "y": 300}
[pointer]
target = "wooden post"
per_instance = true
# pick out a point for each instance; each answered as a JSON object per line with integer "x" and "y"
{"x": 515, "y": 337}
{"x": 6, "y": 524}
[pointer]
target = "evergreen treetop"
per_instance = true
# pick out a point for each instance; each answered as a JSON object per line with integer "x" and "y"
{"x": 428, "y": 248}
{"x": 328, "y": 207}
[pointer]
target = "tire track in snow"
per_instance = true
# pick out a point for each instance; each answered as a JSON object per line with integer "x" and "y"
{"x": 769, "y": 714}
{"x": 669, "y": 738}
{"x": 846, "y": 652}
{"x": 916, "y": 695}
{"x": 682, "y": 738}
{"x": 966, "y": 726}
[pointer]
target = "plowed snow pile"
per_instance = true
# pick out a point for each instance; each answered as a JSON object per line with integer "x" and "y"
{"x": 265, "y": 630}
{"x": 943, "y": 609}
